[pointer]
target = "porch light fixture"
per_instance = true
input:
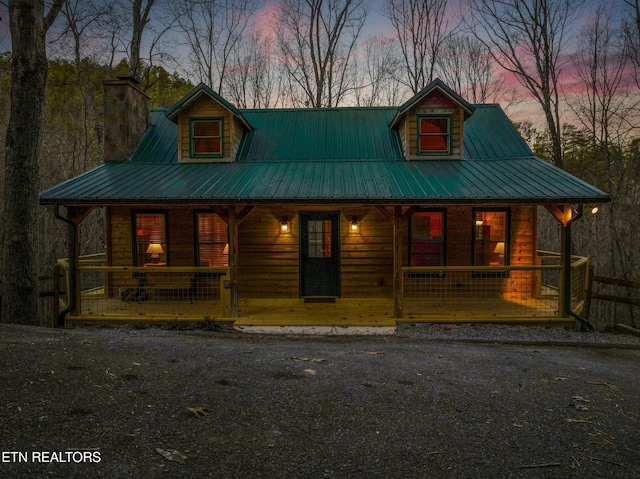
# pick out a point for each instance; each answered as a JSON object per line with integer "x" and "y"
{"x": 284, "y": 225}
{"x": 155, "y": 250}
{"x": 354, "y": 224}
{"x": 594, "y": 209}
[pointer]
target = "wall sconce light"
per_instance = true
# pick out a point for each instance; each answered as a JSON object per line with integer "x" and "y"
{"x": 355, "y": 226}
{"x": 284, "y": 225}
{"x": 594, "y": 209}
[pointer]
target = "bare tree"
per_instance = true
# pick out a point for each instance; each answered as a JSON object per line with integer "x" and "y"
{"x": 377, "y": 84}
{"x": 317, "y": 40}
{"x": 20, "y": 288}
{"x": 81, "y": 20}
{"x": 605, "y": 109}
{"x": 466, "y": 65}
{"x": 528, "y": 39}
{"x": 140, "y": 10}
{"x": 602, "y": 105}
{"x": 131, "y": 29}
{"x": 213, "y": 30}
{"x": 252, "y": 80}
{"x": 422, "y": 26}
{"x": 631, "y": 29}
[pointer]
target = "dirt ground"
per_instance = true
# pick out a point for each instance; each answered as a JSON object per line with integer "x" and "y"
{"x": 114, "y": 403}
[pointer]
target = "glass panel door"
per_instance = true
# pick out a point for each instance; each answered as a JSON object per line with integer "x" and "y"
{"x": 319, "y": 254}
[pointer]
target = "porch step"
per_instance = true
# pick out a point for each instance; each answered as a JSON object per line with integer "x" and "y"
{"x": 320, "y": 330}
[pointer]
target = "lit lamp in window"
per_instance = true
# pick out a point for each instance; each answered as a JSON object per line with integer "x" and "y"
{"x": 479, "y": 224}
{"x": 226, "y": 249}
{"x": 155, "y": 250}
{"x": 498, "y": 252}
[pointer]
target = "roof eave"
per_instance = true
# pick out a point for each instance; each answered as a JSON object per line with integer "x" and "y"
{"x": 533, "y": 201}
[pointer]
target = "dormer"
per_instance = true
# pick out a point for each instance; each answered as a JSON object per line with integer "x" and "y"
{"x": 210, "y": 129}
{"x": 431, "y": 124}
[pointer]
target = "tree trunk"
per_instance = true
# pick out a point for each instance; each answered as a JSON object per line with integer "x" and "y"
{"x": 140, "y": 19}
{"x": 28, "y": 79}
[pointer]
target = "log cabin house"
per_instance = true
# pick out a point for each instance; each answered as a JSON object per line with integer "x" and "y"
{"x": 336, "y": 217}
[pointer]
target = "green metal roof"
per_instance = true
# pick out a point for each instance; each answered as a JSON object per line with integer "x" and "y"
{"x": 520, "y": 180}
{"x": 337, "y": 134}
{"x": 342, "y": 155}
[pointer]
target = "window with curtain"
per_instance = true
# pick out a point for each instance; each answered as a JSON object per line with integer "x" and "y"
{"x": 150, "y": 246}
{"x": 427, "y": 239}
{"x": 434, "y": 135}
{"x": 212, "y": 240}
{"x": 491, "y": 238}
{"x": 206, "y": 137}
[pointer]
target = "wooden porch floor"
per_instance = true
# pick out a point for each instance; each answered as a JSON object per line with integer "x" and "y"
{"x": 379, "y": 312}
{"x": 295, "y": 312}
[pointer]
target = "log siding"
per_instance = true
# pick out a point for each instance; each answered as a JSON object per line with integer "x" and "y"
{"x": 268, "y": 259}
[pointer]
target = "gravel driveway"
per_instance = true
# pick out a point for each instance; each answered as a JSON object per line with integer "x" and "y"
{"x": 427, "y": 403}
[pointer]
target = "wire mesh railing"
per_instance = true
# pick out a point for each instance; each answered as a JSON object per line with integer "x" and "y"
{"x": 477, "y": 292}
{"x": 144, "y": 293}
{"x": 483, "y": 292}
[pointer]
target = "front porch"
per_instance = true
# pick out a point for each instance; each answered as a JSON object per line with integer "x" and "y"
{"x": 522, "y": 294}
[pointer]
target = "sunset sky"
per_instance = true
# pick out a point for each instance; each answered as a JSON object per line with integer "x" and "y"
{"x": 378, "y": 24}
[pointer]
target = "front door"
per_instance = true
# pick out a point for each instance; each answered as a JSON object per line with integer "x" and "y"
{"x": 320, "y": 254}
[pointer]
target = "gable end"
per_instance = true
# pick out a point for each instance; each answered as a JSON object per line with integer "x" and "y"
{"x": 208, "y": 132}
{"x": 432, "y": 128}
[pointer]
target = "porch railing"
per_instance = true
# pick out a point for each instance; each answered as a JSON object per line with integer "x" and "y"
{"x": 579, "y": 277}
{"x": 147, "y": 293}
{"x": 151, "y": 292}
{"x": 487, "y": 292}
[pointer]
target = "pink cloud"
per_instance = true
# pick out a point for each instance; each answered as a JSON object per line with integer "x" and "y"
{"x": 267, "y": 17}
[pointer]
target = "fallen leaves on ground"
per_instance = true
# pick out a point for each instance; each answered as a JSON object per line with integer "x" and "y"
{"x": 311, "y": 360}
{"x": 579, "y": 407}
{"x": 581, "y": 399}
{"x": 198, "y": 411}
{"x": 172, "y": 455}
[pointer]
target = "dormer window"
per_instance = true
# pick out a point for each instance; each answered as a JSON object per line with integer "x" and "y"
{"x": 434, "y": 135}
{"x": 206, "y": 137}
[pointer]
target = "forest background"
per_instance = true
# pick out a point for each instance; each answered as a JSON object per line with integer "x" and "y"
{"x": 567, "y": 72}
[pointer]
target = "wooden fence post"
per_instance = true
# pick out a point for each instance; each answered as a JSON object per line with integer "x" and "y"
{"x": 56, "y": 292}
{"x": 587, "y": 292}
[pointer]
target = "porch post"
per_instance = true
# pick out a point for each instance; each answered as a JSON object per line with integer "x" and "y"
{"x": 564, "y": 214}
{"x": 562, "y": 292}
{"x": 233, "y": 260}
{"x": 397, "y": 262}
{"x": 74, "y": 265}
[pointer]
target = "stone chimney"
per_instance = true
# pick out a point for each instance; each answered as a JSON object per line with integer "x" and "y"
{"x": 126, "y": 117}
